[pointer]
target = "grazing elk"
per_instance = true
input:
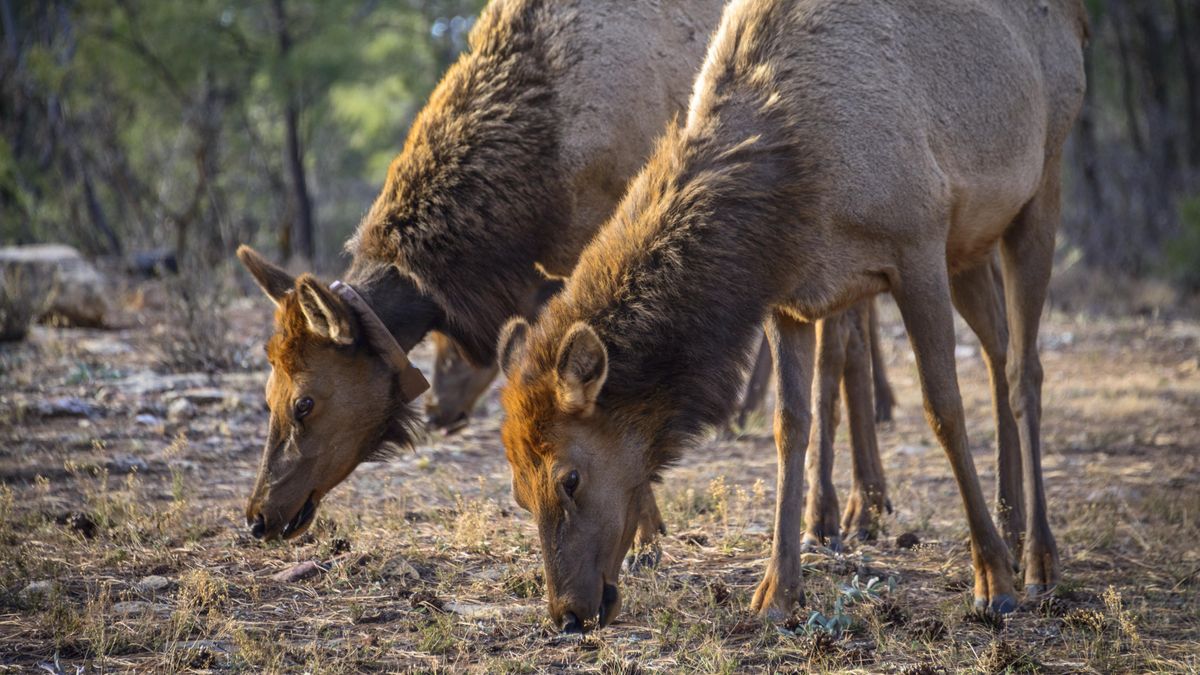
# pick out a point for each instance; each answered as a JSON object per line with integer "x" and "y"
{"x": 848, "y": 357}
{"x": 833, "y": 150}
{"x": 457, "y": 383}
{"x": 525, "y": 147}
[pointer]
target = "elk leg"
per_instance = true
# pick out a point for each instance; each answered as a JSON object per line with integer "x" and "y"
{"x": 868, "y": 491}
{"x": 821, "y": 511}
{"x": 792, "y": 348}
{"x": 756, "y": 387}
{"x": 885, "y": 400}
{"x": 923, "y": 295}
{"x": 646, "y": 551}
{"x": 980, "y": 301}
{"x": 1027, "y": 252}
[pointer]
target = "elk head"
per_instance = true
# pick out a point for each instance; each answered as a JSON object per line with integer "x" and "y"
{"x": 338, "y": 395}
{"x": 457, "y": 386}
{"x": 578, "y": 468}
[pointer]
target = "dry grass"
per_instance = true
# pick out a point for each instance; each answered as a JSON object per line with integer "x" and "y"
{"x": 424, "y": 570}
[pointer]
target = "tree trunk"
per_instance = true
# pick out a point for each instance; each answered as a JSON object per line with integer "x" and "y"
{"x": 302, "y": 225}
{"x": 1125, "y": 57}
{"x": 1161, "y": 124}
{"x": 1190, "y": 55}
{"x": 1093, "y": 232}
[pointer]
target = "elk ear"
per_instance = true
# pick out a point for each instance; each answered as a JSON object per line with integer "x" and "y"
{"x": 275, "y": 282}
{"x": 582, "y": 367}
{"x": 511, "y": 347}
{"x": 323, "y": 311}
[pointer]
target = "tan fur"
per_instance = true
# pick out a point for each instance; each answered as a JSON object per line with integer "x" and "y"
{"x": 834, "y": 149}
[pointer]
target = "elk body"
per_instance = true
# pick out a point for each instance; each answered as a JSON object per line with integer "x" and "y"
{"x": 525, "y": 147}
{"x": 833, "y": 150}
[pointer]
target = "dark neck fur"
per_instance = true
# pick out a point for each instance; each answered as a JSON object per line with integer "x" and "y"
{"x": 476, "y": 193}
{"x": 407, "y": 312}
{"x": 704, "y": 245}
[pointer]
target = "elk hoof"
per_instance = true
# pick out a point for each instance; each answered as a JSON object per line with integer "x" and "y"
{"x": 645, "y": 558}
{"x": 1038, "y": 591}
{"x": 1001, "y": 604}
{"x": 813, "y": 544}
{"x": 571, "y": 624}
{"x": 775, "y": 603}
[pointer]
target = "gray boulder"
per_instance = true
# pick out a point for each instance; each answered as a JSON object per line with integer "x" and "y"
{"x": 76, "y": 295}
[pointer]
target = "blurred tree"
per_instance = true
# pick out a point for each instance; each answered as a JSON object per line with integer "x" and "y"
{"x": 132, "y": 124}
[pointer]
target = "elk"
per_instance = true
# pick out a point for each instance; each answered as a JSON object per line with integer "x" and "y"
{"x": 458, "y": 384}
{"x": 522, "y": 151}
{"x": 848, "y": 358}
{"x": 832, "y": 150}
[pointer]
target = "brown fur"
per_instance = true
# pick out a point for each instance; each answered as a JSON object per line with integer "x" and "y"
{"x": 834, "y": 149}
{"x": 523, "y": 149}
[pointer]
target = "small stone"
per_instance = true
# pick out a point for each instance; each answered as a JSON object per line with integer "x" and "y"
{"x": 153, "y": 584}
{"x": 67, "y": 406}
{"x": 908, "y": 540}
{"x": 299, "y": 572}
{"x": 180, "y": 410}
{"x": 205, "y": 396}
{"x": 37, "y": 590}
{"x": 127, "y": 464}
{"x": 473, "y": 610}
{"x": 402, "y": 569}
{"x": 138, "y": 608}
{"x": 146, "y": 420}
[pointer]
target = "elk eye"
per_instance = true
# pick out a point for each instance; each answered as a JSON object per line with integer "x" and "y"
{"x": 303, "y": 407}
{"x": 571, "y": 482}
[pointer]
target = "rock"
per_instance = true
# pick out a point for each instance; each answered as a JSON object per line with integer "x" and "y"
{"x": 67, "y": 406}
{"x": 206, "y": 396}
{"x": 77, "y": 297}
{"x": 473, "y": 610}
{"x": 147, "y": 420}
{"x": 908, "y": 540}
{"x": 37, "y": 590}
{"x": 24, "y": 296}
{"x": 299, "y": 572}
{"x": 402, "y": 569}
{"x": 180, "y": 410}
{"x": 127, "y": 464}
{"x": 153, "y": 584}
{"x": 139, "y": 608}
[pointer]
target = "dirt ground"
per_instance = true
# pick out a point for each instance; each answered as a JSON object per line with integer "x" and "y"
{"x": 122, "y": 545}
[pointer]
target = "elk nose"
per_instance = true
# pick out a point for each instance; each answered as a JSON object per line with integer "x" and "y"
{"x": 258, "y": 527}
{"x": 571, "y": 623}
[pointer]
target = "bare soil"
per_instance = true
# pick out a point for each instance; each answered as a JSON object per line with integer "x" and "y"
{"x": 122, "y": 545}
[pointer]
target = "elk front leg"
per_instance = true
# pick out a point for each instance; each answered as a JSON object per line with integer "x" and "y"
{"x": 923, "y": 295}
{"x": 792, "y": 348}
{"x": 646, "y": 551}
{"x": 980, "y": 301}
{"x": 867, "y": 500}
{"x": 821, "y": 511}
{"x": 1027, "y": 252}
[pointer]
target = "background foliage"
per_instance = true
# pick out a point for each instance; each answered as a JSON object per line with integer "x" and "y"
{"x": 193, "y": 126}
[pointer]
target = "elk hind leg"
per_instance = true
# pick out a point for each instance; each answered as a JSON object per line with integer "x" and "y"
{"x": 980, "y": 301}
{"x": 1027, "y": 253}
{"x": 868, "y": 499}
{"x": 821, "y": 526}
{"x": 922, "y": 292}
